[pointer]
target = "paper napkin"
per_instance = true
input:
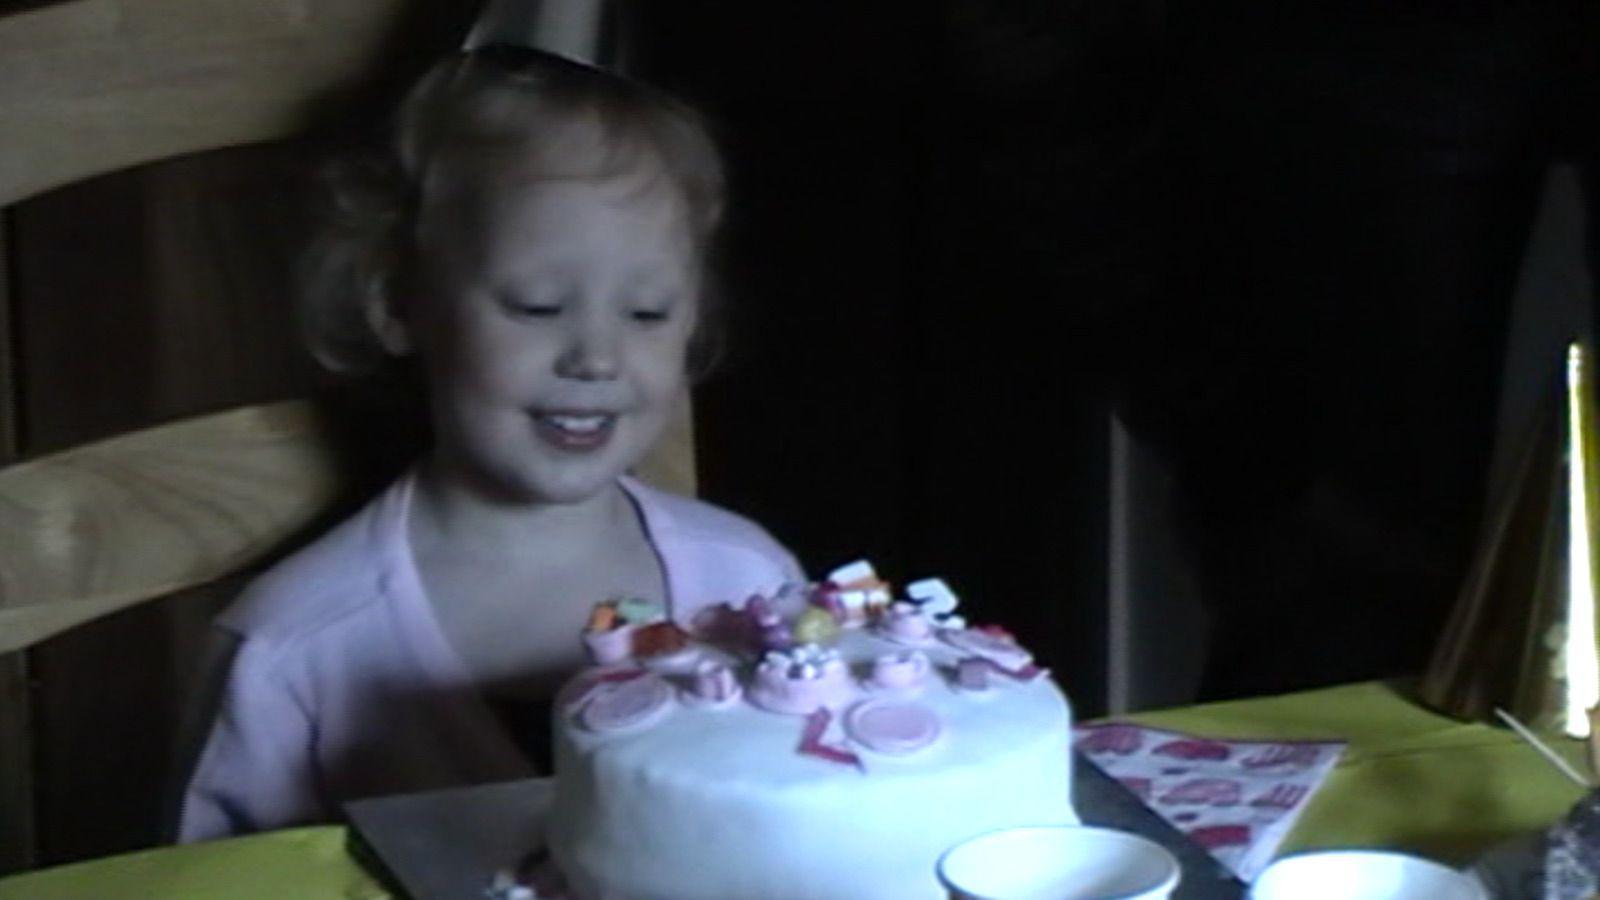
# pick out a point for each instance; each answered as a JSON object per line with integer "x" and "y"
{"x": 1238, "y": 799}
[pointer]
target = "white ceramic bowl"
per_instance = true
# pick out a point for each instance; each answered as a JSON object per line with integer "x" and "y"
{"x": 1363, "y": 875}
{"x": 1058, "y": 862}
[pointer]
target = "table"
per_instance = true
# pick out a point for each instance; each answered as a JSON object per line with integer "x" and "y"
{"x": 1410, "y": 780}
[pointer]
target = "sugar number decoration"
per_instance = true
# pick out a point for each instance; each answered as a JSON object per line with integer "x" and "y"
{"x": 816, "y": 724}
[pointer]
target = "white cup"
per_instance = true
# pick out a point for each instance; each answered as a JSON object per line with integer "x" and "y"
{"x": 1058, "y": 862}
{"x": 1363, "y": 875}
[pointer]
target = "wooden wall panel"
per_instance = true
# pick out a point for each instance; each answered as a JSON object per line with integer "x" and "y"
{"x": 159, "y": 294}
{"x": 16, "y": 766}
{"x": 107, "y": 723}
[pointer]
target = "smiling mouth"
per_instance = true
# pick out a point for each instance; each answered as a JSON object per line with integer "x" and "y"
{"x": 575, "y": 431}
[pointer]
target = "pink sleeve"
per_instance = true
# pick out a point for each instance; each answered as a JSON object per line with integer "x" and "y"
{"x": 257, "y": 770}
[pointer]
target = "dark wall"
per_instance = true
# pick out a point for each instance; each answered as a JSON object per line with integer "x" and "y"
{"x": 934, "y": 206}
{"x": 1352, "y": 186}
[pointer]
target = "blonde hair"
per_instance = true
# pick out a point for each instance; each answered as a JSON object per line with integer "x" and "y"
{"x": 493, "y": 106}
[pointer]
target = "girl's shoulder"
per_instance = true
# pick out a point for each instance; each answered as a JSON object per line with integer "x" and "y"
{"x": 711, "y": 555}
{"x": 347, "y": 569}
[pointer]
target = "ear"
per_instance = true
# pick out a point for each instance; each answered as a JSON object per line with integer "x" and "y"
{"x": 390, "y": 328}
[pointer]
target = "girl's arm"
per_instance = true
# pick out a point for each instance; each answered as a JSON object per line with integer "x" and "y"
{"x": 256, "y": 771}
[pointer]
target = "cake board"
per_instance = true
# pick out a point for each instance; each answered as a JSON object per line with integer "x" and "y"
{"x": 447, "y": 844}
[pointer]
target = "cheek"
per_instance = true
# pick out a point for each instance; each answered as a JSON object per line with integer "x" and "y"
{"x": 490, "y": 358}
{"x": 664, "y": 371}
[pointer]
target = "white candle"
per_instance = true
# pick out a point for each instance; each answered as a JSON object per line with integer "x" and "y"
{"x": 1582, "y": 655}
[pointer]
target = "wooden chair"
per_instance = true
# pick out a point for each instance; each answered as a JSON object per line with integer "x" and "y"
{"x": 95, "y": 86}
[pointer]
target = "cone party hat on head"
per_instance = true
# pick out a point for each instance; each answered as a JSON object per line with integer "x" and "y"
{"x": 1523, "y": 634}
{"x": 593, "y": 32}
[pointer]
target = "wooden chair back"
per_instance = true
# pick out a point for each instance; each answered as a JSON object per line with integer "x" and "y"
{"x": 96, "y": 86}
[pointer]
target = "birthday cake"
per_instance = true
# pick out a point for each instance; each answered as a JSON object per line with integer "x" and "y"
{"x": 826, "y": 742}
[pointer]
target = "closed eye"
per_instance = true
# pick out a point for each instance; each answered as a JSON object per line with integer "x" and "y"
{"x": 651, "y": 316}
{"x": 529, "y": 308}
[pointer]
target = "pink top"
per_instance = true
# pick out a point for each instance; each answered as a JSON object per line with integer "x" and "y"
{"x": 344, "y": 685}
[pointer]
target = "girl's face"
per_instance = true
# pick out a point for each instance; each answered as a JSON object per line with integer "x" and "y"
{"x": 553, "y": 323}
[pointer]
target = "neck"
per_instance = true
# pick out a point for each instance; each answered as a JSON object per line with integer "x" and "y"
{"x": 447, "y": 507}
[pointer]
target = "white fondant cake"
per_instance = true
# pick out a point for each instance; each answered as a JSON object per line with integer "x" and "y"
{"x": 713, "y": 796}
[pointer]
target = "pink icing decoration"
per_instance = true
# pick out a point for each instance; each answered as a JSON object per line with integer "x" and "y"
{"x": 900, "y": 671}
{"x": 1002, "y": 650}
{"x": 907, "y": 623}
{"x": 714, "y": 683}
{"x": 892, "y": 728}
{"x": 972, "y": 673}
{"x": 586, "y": 684}
{"x": 973, "y": 664}
{"x": 609, "y": 647}
{"x": 774, "y": 690}
{"x": 633, "y": 703}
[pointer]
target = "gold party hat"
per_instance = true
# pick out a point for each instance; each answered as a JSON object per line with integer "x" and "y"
{"x": 1523, "y": 634}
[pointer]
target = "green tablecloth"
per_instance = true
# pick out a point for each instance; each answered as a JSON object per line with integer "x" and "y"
{"x": 308, "y": 863}
{"x": 1410, "y": 780}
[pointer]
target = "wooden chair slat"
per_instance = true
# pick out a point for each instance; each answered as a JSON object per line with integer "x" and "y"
{"x": 671, "y": 464}
{"x": 99, "y": 85}
{"x": 97, "y": 528}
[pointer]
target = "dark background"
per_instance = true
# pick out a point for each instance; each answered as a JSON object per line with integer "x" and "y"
{"x": 1280, "y": 240}
{"x": 933, "y": 209}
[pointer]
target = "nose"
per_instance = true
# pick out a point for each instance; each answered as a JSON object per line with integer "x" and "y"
{"x": 591, "y": 353}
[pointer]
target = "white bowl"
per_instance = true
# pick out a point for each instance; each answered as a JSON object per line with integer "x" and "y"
{"x": 1363, "y": 875}
{"x": 1058, "y": 862}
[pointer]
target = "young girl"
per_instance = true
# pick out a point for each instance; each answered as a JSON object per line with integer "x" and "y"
{"x": 539, "y": 253}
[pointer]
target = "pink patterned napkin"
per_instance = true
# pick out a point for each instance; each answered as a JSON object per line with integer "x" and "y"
{"x": 1238, "y": 799}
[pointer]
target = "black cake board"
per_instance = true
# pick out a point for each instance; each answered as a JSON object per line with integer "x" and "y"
{"x": 447, "y": 845}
